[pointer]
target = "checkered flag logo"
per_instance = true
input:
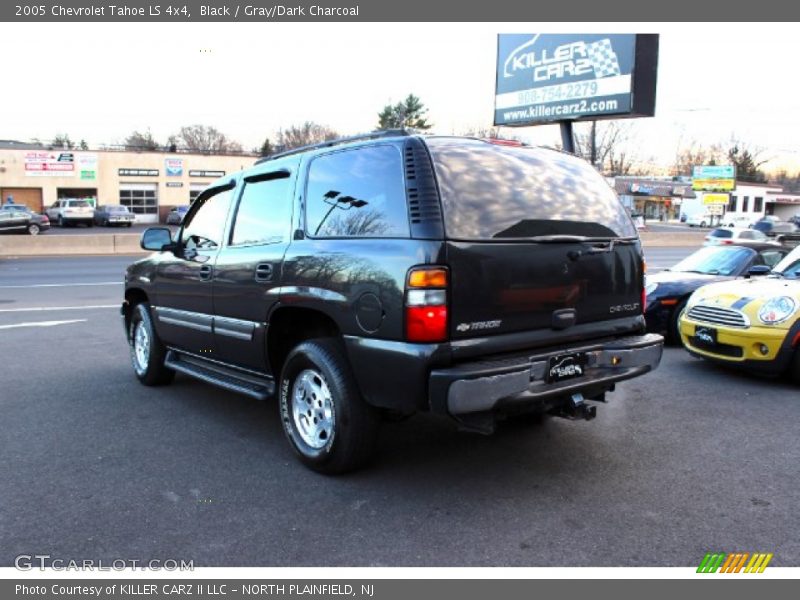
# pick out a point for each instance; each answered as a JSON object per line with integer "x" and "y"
{"x": 604, "y": 60}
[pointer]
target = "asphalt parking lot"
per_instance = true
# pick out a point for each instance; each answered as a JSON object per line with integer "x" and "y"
{"x": 686, "y": 460}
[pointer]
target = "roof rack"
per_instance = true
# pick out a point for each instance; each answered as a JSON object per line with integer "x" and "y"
{"x": 372, "y": 135}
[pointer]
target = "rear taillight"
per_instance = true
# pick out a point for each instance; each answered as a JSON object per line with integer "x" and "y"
{"x": 426, "y": 304}
{"x": 644, "y": 285}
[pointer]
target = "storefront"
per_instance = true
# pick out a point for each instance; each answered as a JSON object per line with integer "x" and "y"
{"x": 149, "y": 183}
{"x": 652, "y": 200}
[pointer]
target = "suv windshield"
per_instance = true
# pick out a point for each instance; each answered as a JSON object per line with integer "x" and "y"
{"x": 715, "y": 261}
{"x": 491, "y": 191}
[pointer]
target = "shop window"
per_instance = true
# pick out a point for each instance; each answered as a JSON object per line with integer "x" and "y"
{"x": 140, "y": 202}
{"x": 758, "y": 204}
{"x": 732, "y": 204}
{"x": 745, "y": 203}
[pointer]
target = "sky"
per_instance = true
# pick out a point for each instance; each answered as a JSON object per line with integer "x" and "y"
{"x": 101, "y": 81}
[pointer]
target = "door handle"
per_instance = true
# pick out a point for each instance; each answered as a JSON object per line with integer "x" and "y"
{"x": 205, "y": 272}
{"x": 264, "y": 272}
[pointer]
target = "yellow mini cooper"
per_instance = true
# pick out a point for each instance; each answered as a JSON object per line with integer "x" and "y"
{"x": 752, "y": 323}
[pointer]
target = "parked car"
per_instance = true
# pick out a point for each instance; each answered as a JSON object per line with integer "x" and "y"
{"x": 22, "y": 221}
{"x": 701, "y": 220}
{"x": 744, "y": 221}
{"x": 725, "y": 236}
{"x": 17, "y": 207}
{"x": 176, "y": 215}
{"x": 71, "y": 211}
{"x": 669, "y": 290}
{"x": 113, "y": 214}
{"x": 752, "y": 324}
{"x": 795, "y": 219}
{"x": 391, "y": 274}
{"x": 773, "y": 228}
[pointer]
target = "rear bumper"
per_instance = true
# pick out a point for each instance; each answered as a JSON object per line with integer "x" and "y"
{"x": 490, "y": 385}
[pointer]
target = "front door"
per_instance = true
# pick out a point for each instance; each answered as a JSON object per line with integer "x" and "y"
{"x": 184, "y": 311}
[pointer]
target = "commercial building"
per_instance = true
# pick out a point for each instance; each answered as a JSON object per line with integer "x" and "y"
{"x": 653, "y": 199}
{"x": 149, "y": 183}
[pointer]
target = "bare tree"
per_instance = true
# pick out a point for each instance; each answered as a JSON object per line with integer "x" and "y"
{"x": 692, "y": 153}
{"x": 611, "y": 147}
{"x": 307, "y": 133}
{"x": 203, "y": 138}
{"x": 141, "y": 141}
{"x": 62, "y": 140}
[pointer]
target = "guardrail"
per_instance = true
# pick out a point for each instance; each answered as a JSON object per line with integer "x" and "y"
{"x": 61, "y": 245}
{"x": 128, "y": 243}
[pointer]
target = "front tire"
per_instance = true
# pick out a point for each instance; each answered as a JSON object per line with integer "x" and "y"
{"x": 147, "y": 351}
{"x": 674, "y": 326}
{"x": 794, "y": 368}
{"x": 325, "y": 419}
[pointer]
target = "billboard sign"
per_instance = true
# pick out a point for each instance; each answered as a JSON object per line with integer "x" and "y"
{"x": 542, "y": 78}
{"x": 714, "y": 178}
{"x": 711, "y": 199}
{"x": 50, "y": 164}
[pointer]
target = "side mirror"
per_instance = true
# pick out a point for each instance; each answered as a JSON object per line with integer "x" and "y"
{"x": 757, "y": 270}
{"x": 157, "y": 239}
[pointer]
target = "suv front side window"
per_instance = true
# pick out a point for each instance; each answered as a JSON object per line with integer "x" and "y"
{"x": 357, "y": 193}
{"x": 205, "y": 226}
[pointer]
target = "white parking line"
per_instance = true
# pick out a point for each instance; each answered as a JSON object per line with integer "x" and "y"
{"x": 42, "y": 324}
{"x": 45, "y": 308}
{"x": 47, "y": 285}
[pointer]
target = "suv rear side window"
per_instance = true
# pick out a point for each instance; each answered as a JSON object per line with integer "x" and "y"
{"x": 264, "y": 213}
{"x": 357, "y": 193}
{"x": 491, "y": 191}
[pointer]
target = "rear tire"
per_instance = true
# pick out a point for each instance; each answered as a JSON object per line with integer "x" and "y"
{"x": 33, "y": 229}
{"x": 325, "y": 419}
{"x": 702, "y": 224}
{"x": 147, "y": 350}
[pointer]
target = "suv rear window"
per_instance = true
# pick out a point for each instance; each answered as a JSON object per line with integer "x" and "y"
{"x": 78, "y": 203}
{"x": 491, "y": 191}
{"x": 722, "y": 233}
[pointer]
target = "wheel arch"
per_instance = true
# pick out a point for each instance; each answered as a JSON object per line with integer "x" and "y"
{"x": 133, "y": 296}
{"x": 292, "y": 325}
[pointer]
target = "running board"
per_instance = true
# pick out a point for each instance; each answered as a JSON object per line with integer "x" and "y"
{"x": 260, "y": 388}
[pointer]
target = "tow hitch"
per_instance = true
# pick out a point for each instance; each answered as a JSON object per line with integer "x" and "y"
{"x": 576, "y": 408}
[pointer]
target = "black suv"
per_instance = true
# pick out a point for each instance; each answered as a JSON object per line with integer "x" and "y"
{"x": 395, "y": 273}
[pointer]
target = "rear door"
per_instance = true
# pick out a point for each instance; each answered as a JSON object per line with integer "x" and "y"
{"x": 248, "y": 269}
{"x": 535, "y": 239}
